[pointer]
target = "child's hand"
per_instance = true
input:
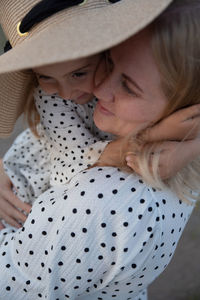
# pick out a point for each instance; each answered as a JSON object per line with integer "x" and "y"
{"x": 170, "y": 161}
{"x": 183, "y": 124}
{"x": 10, "y": 203}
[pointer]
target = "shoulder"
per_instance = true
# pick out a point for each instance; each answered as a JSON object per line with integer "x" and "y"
{"x": 108, "y": 187}
{"x": 105, "y": 193}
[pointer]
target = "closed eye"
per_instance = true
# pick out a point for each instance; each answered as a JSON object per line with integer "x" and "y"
{"x": 109, "y": 63}
{"x": 125, "y": 86}
{"x": 43, "y": 77}
{"x": 79, "y": 74}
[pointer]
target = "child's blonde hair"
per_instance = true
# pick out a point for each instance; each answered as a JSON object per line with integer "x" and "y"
{"x": 31, "y": 114}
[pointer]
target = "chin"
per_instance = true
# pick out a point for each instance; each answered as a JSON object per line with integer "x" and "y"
{"x": 102, "y": 126}
{"x": 84, "y": 100}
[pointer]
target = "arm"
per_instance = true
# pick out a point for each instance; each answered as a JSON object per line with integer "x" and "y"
{"x": 24, "y": 177}
{"x": 27, "y": 164}
{"x": 10, "y": 203}
{"x": 178, "y": 131}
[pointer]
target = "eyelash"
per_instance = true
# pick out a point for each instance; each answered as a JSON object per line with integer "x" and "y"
{"x": 79, "y": 74}
{"x": 43, "y": 77}
{"x": 110, "y": 67}
{"x": 127, "y": 89}
{"x": 109, "y": 64}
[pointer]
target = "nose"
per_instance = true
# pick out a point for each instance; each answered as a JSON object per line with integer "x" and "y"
{"x": 105, "y": 89}
{"x": 64, "y": 91}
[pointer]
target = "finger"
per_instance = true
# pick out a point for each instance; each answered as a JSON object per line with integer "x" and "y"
{"x": 15, "y": 201}
{"x": 182, "y": 124}
{"x": 13, "y": 212}
{"x": 1, "y": 225}
{"x": 9, "y": 220}
{"x": 175, "y": 132}
{"x": 189, "y": 112}
{"x": 192, "y": 127}
{"x": 18, "y": 215}
{"x": 131, "y": 161}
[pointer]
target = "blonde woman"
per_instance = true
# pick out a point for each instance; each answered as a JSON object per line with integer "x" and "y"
{"x": 108, "y": 233}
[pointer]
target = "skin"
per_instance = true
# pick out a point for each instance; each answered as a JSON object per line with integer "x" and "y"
{"x": 130, "y": 98}
{"x": 70, "y": 80}
{"x": 10, "y": 203}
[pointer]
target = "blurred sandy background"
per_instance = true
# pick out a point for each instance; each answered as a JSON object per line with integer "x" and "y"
{"x": 181, "y": 279}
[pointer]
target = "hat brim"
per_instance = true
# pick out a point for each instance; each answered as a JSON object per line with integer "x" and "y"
{"x": 85, "y": 34}
{"x": 68, "y": 38}
{"x": 15, "y": 88}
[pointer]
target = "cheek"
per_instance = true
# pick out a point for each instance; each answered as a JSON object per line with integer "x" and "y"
{"x": 100, "y": 73}
{"x": 140, "y": 111}
{"x": 86, "y": 85}
{"x": 48, "y": 88}
{"x": 131, "y": 112}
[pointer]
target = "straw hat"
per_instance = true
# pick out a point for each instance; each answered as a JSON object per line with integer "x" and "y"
{"x": 82, "y": 30}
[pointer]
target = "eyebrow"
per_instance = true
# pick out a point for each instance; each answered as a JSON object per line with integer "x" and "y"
{"x": 77, "y": 70}
{"x": 74, "y": 71}
{"x": 133, "y": 82}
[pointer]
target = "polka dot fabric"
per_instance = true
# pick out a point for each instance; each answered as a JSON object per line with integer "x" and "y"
{"x": 27, "y": 163}
{"x": 75, "y": 141}
{"x": 104, "y": 235}
{"x": 69, "y": 142}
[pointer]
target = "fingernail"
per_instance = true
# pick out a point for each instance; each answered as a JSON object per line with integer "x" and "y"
{"x": 129, "y": 165}
{"x": 128, "y": 159}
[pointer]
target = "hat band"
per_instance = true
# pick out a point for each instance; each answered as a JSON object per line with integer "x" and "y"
{"x": 47, "y": 8}
{"x": 7, "y": 46}
{"x": 44, "y": 9}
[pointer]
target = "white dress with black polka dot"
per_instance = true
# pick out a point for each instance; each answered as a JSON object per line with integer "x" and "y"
{"x": 103, "y": 235}
{"x": 69, "y": 142}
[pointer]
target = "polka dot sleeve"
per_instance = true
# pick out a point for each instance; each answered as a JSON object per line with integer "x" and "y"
{"x": 27, "y": 163}
{"x": 105, "y": 235}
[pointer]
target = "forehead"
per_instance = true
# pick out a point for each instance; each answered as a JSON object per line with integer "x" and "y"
{"x": 66, "y": 66}
{"x": 137, "y": 46}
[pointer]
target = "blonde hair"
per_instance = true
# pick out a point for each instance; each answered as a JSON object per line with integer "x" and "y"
{"x": 31, "y": 114}
{"x": 176, "y": 49}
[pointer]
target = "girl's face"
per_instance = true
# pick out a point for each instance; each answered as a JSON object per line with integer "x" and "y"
{"x": 130, "y": 97}
{"x": 70, "y": 80}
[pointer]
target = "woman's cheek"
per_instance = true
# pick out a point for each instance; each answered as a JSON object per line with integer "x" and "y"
{"x": 100, "y": 73}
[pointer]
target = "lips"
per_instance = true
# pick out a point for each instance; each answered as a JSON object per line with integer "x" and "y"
{"x": 103, "y": 109}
